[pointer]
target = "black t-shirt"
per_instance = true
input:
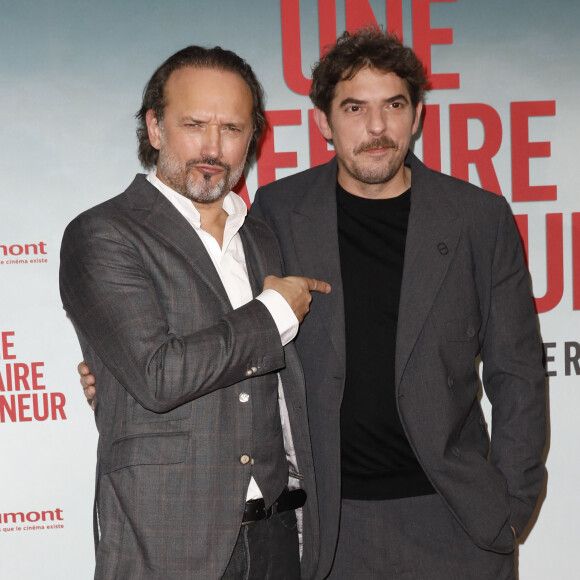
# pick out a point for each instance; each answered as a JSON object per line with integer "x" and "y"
{"x": 377, "y": 460}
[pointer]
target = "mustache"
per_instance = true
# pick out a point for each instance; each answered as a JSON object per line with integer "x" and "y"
{"x": 207, "y": 161}
{"x": 377, "y": 143}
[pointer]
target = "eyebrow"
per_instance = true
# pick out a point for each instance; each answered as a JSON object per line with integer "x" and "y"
{"x": 353, "y": 101}
{"x": 192, "y": 119}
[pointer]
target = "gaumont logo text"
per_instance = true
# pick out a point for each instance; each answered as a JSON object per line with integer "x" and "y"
{"x": 23, "y": 394}
{"x": 21, "y": 521}
{"x": 14, "y": 254}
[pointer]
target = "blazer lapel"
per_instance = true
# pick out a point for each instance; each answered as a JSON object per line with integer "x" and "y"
{"x": 315, "y": 237}
{"x": 161, "y": 217}
{"x": 256, "y": 262}
{"x": 432, "y": 236}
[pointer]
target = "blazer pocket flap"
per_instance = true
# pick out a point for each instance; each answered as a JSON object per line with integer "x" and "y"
{"x": 148, "y": 449}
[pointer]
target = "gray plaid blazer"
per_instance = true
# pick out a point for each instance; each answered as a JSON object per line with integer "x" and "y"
{"x": 171, "y": 358}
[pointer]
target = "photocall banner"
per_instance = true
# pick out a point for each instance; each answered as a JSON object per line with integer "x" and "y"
{"x": 501, "y": 113}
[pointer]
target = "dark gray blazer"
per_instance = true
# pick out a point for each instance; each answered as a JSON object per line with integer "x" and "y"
{"x": 171, "y": 358}
{"x": 465, "y": 292}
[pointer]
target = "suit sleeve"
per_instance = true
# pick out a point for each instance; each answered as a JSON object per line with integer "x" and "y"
{"x": 112, "y": 301}
{"x": 513, "y": 375}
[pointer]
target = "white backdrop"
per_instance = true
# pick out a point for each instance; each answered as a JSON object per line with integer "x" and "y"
{"x": 502, "y": 113}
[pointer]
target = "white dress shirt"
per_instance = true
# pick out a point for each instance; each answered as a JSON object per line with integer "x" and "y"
{"x": 230, "y": 263}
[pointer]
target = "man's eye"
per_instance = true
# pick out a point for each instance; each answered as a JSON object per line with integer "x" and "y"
{"x": 354, "y": 108}
{"x": 232, "y": 128}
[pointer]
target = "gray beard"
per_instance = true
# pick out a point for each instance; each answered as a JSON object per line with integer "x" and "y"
{"x": 199, "y": 192}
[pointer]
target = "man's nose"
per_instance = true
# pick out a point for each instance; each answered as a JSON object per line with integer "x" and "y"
{"x": 376, "y": 121}
{"x": 211, "y": 142}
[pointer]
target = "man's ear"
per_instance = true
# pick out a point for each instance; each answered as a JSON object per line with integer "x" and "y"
{"x": 321, "y": 121}
{"x": 417, "y": 119}
{"x": 153, "y": 129}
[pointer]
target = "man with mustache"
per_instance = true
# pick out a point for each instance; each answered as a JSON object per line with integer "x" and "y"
{"x": 180, "y": 311}
{"x": 428, "y": 275}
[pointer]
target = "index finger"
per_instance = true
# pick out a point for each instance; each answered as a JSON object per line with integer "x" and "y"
{"x": 315, "y": 285}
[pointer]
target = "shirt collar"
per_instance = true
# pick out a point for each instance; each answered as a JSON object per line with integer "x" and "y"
{"x": 232, "y": 204}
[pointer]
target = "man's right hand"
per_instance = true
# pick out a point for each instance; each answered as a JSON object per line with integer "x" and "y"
{"x": 296, "y": 290}
{"x": 87, "y": 383}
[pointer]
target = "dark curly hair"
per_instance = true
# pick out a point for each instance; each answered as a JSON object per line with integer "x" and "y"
{"x": 368, "y": 47}
{"x": 197, "y": 57}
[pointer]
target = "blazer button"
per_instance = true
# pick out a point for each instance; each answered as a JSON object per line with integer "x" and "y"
{"x": 244, "y": 397}
{"x": 450, "y": 382}
{"x": 251, "y": 371}
{"x": 470, "y": 332}
{"x": 244, "y": 459}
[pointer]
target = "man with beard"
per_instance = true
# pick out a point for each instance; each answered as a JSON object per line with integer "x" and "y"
{"x": 198, "y": 433}
{"x": 428, "y": 274}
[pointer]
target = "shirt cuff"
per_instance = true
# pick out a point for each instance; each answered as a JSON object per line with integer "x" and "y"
{"x": 284, "y": 317}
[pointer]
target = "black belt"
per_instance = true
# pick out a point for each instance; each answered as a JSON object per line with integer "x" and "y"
{"x": 256, "y": 510}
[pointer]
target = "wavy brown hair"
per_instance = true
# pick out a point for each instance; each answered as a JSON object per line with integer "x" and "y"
{"x": 197, "y": 57}
{"x": 368, "y": 47}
